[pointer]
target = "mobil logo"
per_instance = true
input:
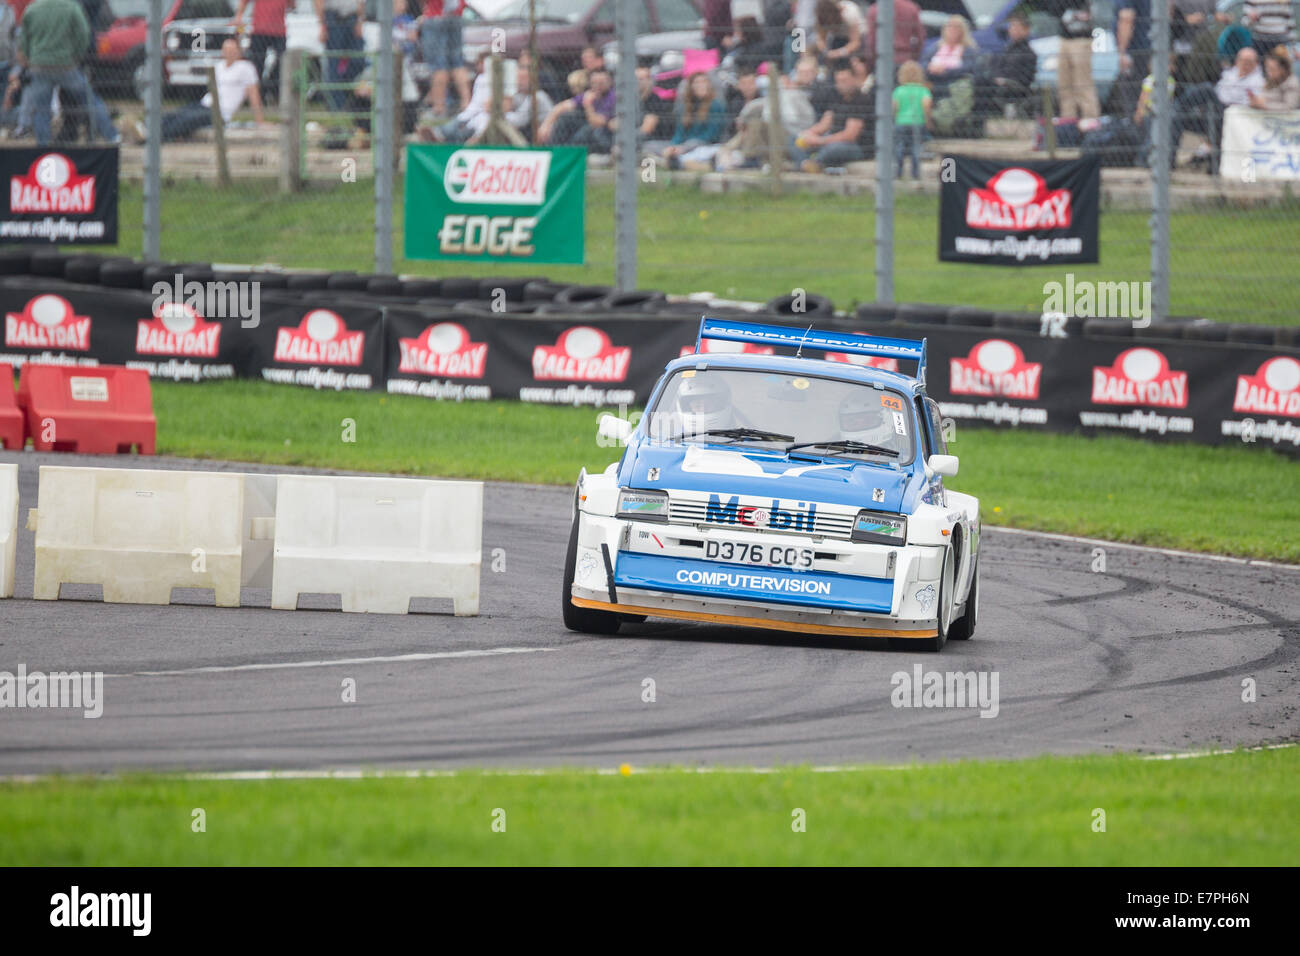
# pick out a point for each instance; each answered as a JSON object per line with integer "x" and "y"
{"x": 48, "y": 322}
{"x": 321, "y": 338}
{"x": 582, "y": 354}
{"x": 798, "y": 516}
{"x": 1018, "y": 199}
{"x": 1140, "y": 376}
{"x": 177, "y": 329}
{"x": 995, "y": 368}
{"x": 1274, "y": 389}
{"x": 722, "y": 347}
{"x": 444, "y": 349}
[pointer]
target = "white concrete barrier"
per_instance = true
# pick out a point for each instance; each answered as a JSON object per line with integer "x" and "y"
{"x": 8, "y": 527}
{"x": 377, "y": 542}
{"x": 139, "y": 533}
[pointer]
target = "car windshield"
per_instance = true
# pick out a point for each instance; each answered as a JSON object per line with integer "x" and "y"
{"x": 570, "y": 11}
{"x": 126, "y": 9}
{"x": 775, "y": 410}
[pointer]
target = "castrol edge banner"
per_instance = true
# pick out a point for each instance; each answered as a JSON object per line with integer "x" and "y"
{"x": 62, "y": 197}
{"x": 495, "y": 203}
{"x": 1038, "y": 212}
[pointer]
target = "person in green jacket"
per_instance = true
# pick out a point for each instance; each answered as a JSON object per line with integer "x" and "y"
{"x": 55, "y": 37}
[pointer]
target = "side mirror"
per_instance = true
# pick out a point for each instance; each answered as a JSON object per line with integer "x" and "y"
{"x": 945, "y": 465}
{"x": 614, "y": 428}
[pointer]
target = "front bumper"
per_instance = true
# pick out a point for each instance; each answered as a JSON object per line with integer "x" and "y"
{"x": 852, "y": 588}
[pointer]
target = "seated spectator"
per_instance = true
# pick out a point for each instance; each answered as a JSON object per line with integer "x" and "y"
{"x": 1200, "y": 107}
{"x": 577, "y": 82}
{"x": 805, "y": 78}
{"x": 1281, "y": 88}
{"x": 470, "y": 122}
{"x": 843, "y": 134}
{"x": 519, "y": 111}
{"x": 1014, "y": 69}
{"x": 237, "y": 80}
{"x": 749, "y": 147}
{"x": 1144, "y": 117}
{"x": 739, "y": 95}
{"x": 703, "y": 123}
{"x": 583, "y": 120}
{"x": 839, "y": 30}
{"x": 656, "y": 112}
{"x": 953, "y": 57}
{"x": 912, "y": 103}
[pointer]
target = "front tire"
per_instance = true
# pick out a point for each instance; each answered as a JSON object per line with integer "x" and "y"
{"x": 584, "y": 620}
{"x": 943, "y": 616}
{"x": 964, "y": 627}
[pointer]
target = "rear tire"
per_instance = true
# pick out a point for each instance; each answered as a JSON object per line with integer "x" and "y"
{"x": 964, "y": 627}
{"x": 584, "y": 620}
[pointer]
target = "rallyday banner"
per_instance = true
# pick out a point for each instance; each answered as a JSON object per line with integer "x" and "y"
{"x": 64, "y": 196}
{"x": 1039, "y": 212}
{"x": 496, "y": 203}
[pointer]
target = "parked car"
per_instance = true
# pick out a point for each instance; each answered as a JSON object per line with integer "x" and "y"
{"x": 117, "y": 62}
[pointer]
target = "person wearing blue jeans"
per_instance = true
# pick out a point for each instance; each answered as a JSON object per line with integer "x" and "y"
{"x": 55, "y": 38}
{"x": 40, "y": 92}
{"x": 841, "y": 135}
{"x": 443, "y": 51}
{"x": 340, "y": 30}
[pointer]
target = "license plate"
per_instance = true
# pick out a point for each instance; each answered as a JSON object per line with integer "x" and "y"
{"x": 764, "y": 555}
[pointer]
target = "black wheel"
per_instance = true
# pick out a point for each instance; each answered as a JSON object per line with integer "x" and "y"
{"x": 964, "y": 627}
{"x": 585, "y": 620}
{"x": 932, "y": 645}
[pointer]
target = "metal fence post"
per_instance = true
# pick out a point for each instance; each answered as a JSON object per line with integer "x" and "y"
{"x": 153, "y": 147}
{"x": 884, "y": 151}
{"x": 775, "y": 128}
{"x": 291, "y": 122}
{"x": 383, "y": 130}
{"x": 625, "y": 176}
{"x": 1163, "y": 154}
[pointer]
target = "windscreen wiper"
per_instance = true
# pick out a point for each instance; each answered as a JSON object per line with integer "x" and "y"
{"x": 754, "y": 434}
{"x": 846, "y": 445}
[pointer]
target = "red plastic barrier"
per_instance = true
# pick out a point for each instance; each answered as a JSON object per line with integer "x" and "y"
{"x": 11, "y": 418}
{"x": 95, "y": 410}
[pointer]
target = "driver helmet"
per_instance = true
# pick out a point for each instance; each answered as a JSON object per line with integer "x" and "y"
{"x": 704, "y": 404}
{"x": 864, "y": 419}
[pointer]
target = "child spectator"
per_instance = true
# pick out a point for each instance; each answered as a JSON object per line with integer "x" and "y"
{"x": 912, "y": 103}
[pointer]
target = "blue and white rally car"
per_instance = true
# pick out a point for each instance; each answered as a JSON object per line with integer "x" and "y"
{"x": 780, "y": 491}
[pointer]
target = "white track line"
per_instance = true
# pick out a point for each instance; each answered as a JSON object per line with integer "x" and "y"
{"x": 1171, "y": 552}
{"x": 432, "y": 656}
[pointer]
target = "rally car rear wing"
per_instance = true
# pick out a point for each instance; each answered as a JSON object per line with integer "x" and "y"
{"x": 784, "y": 336}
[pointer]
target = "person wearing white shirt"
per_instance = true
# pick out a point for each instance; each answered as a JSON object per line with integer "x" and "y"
{"x": 237, "y": 80}
{"x": 1240, "y": 80}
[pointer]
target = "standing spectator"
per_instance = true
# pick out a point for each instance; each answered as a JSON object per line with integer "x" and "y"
{"x": 267, "y": 34}
{"x": 843, "y": 134}
{"x": 1281, "y": 88}
{"x": 953, "y": 57}
{"x": 909, "y": 33}
{"x": 747, "y": 46}
{"x": 703, "y": 121}
{"x": 236, "y": 80}
{"x": 802, "y": 30}
{"x": 1075, "y": 87}
{"x": 583, "y": 120}
{"x": 340, "y": 30}
{"x": 717, "y": 22}
{"x": 912, "y": 102}
{"x": 1133, "y": 37}
{"x": 444, "y": 54}
{"x": 1271, "y": 22}
{"x": 838, "y": 35}
{"x": 55, "y": 38}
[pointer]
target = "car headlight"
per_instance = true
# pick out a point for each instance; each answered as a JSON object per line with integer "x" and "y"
{"x": 879, "y": 528}
{"x": 643, "y": 505}
{"x": 173, "y": 41}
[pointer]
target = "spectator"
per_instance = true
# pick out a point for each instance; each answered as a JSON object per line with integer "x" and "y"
{"x": 912, "y": 102}
{"x": 340, "y": 29}
{"x": 818, "y": 92}
{"x": 577, "y": 82}
{"x": 952, "y": 58}
{"x": 1271, "y": 22}
{"x": 717, "y": 23}
{"x": 1133, "y": 37}
{"x": 1075, "y": 87}
{"x": 55, "y": 38}
{"x": 444, "y": 52}
{"x": 1144, "y": 117}
{"x": 520, "y": 113}
{"x": 471, "y": 121}
{"x": 748, "y": 47}
{"x": 583, "y": 120}
{"x": 839, "y": 30}
{"x": 739, "y": 95}
{"x": 237, "y": 80}
{"x": 1281, "y": 88}
{"x": 267, "y": 34}
{"x": 843, "y": 134}
{"x": 591, "y": 59}
{"x": 656, "y": 113}
{"x": 1016, "y": 66}
{"x": 703, "y": 121}
{"x": 1200, "y": 108}
{"x": 909, "y": 33}
{"x": 750, "y": 147}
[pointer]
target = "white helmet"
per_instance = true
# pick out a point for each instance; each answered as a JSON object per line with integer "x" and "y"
{"x": 704, "y": 404}
{"x": 864, "y": 419}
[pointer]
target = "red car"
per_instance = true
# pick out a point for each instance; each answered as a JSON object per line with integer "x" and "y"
{"x": 117, "y": 62}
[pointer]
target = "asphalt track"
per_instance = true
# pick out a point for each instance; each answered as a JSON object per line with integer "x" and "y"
{"x": 1149, "y": 656}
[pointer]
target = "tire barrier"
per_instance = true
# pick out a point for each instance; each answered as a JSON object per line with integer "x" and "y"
{"x": 377, "y": 542}
{"x": 141, "y": 534}
{"x": 8, "y": 527}
{"x": 99, "y": 410}
{"x": 808, "y": 304}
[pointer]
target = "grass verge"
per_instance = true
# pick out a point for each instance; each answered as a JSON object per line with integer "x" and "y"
{"x": 1228, "y": 810}
{"x": 1225, "y": 499}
